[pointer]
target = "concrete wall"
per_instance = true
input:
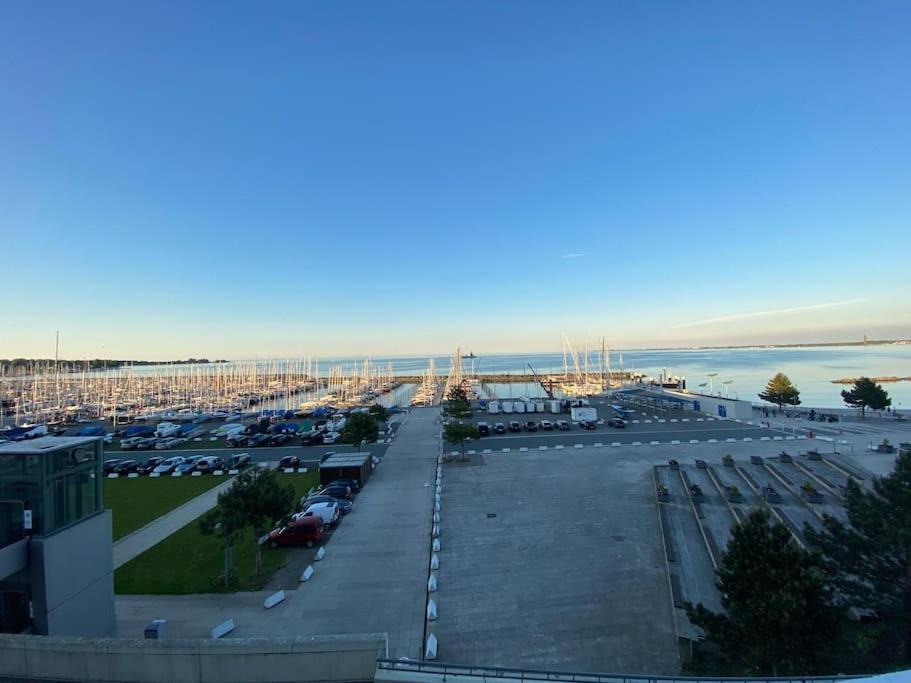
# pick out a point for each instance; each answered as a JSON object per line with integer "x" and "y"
{"x": 72, "y": 579}
{"x": 309, "y": 660}
{"x": 13, "y": 558}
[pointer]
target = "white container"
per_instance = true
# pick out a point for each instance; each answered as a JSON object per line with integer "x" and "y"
{"x": 507, "y": 406}
{"x": 529, "y": 406}
{"x": 539, "y": 406}
{"x": 519, "y": 406}
{"x": 554, "y": 406}
{"x": 493, "y": 407}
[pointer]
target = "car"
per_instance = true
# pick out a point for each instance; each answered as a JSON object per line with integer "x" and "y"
{"x": 344, "y": 505}
{"x": 616, "y": 423}
{"x": 330, "y": 438}
{"x": 587, "y": 424}
{"x": 483, "y": 429}
{"x": 328, "y": 512}
{"x": 210, "y": 463}
{"x": 312, "y": 438}
{"x": 289, "y": 462}
{"x": 353, "y": 484}
{"x": 126, "y": 466}
{"x": 563, "y": 425}
{"x": 515, "y": 427}
{"x": 325, "y": 456}
{"x": 499, "y": 428}
{"x": 149, "y": 465}
{"x": 547, "y": 426}
{"x": 279, "y": 440}
{"x": 146, "y": 443}
{"x": 531, "y": 426}
{"x": 336, "y": 491}
{"x": 110, "y": 465}
{"x": 164, "y": 444}
{"x": 258, "y": 440}
{"x": 129, "y": 443}
{"x": 306, "y": 531}
{"x": 239, "y": 461}
{"x": 236, "y": 440}
{"x": 167, "y": 466}
{"x": 188, "y": 464}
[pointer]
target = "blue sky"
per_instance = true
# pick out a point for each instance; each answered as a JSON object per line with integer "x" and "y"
{"x": 233, "y": 179}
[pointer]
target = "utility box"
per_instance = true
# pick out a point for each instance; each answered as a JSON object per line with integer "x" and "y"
{"x": 584, "y": 414}
{"x": 155, "y": 629}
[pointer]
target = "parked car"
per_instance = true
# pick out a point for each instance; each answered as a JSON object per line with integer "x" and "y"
{"x": 129, "y": 443}
{"x": 110, "y": 465}
{"x": 499, "y": 428}
{"x": 236, "y": 440}
{"x": 239, "y": 461}
{"x": 515, "y": 427}
{"x": 563, "y": 425}
{"x": 336, "y": 491}
{"x": 483, "y": 429}
{"x": 306, "y": 531}
{"x": 312, "y": 438}
{"x": 146, "y": 443}
{"x": 279, "y": 440}
{"x": 353, "y": 484}
{"x": 126, "y": 466}
{"x": 167, "y": 466}
{"x": 531, "y": 426}
{"x": 588, "y": 424}
{"x": 150, "y": 464}
{"x": 547, "y": 426}
{"x": 616, "y": 423}
{"x": 164, "y": 444}
{"x": 188, "y": 464}
{"x": 258, "y": 440}
{"x": 328, "y": 512}
{"x": 210, "y": 463}
{"x": 289, "y": 462}
{"x": 344, "y": 505}
{"x": 330, "y": 438}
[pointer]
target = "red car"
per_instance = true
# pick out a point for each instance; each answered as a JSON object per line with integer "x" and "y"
{"x": 303, "y": 531}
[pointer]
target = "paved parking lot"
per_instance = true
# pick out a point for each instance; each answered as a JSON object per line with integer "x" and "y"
{"x": 551, "y": 561}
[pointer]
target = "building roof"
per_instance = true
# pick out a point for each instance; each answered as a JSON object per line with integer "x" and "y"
{"x": 43, "y": 444}
{"x": 345, "y": 460}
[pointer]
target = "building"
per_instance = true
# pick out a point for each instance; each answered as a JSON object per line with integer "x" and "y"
{"x": 716, "y": 406}
{"x": 357, "y": 466}
{"x": 56, "y": 568}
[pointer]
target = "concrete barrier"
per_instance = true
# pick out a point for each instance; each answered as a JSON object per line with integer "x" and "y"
{"x": 310, "y": 659}
{"x": 694, "y": 440}
{"x": 523, "y": 449}
{"x": 470, "y": 452}
{"x": 176, "y": 474}
{"x": 700, "y": 419}
{"x": 578, "y": 445}
{"x": 320, "y": 554}
{"x": 558, "y": 447}
{"x": 542, "y": 448}
{"x": 434, "y": 561}
{"x": 662, "y": 421}
{"x": 654, "y": 443}
{"x": 113, "y": 475}
{"x": 223, "y": 629}
{"x": 133, "y": 475}
{"x": 764, "y": 438}
{"x": 635, "y": 422}
{"x": 748, "y": 438}
{"x": 712, "y": 441}
{"x": 487, "y": 450}
{"x": 432, "y": 584}
{"x": 731, "y": 440}
{"x": 233, "y": 471}
{"x": 154, "y": 475}
{"x": 436, "y": 545}
{"x": 598, "y": 445}
{"x": 196, "y": 474}
{"x": 307, "y": 574}
{"x": 615, "y": 443}
{"x": 218, "y": 473}
{"x": 430, "y": 651}
{"x": 685, "y": 419}
{"x": 675, "y": 442}
{"x": 777, "y": 438}
{"x": 789, "y": 438}
{"x": 302, "y": 470}
{"x": 636, "y": 443}
{"x": 431, "y": 610}
{"x": 274, "y": 599}
{"x": 674, "y": 419}
{"x": 505, "y": 450}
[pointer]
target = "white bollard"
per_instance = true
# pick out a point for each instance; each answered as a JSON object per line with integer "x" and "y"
{"x": 434, "y": 561}
{"x": 436, "y": 531}
{"x": 431, "y": 610}
{"x": 436, "y": 517}
{"x": 320, "y": 554}
{"x": 274, "y": 599}
{"x": 223, "y": 629}
{"x": 436, "y": 545}
{"x": 436, "y": 506}
{"x": 307, "y": 574}
{"x": 430, "y": 651}
{"x": 432, "y": 584}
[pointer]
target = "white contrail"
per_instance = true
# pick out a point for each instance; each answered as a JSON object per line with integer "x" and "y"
{"x": 762, "y": 314}
{"x": 573, "y": 255}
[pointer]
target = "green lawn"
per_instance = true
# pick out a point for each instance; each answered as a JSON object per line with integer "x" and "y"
{"x": 188, "y": 562}
{"x": 136, "y": 502}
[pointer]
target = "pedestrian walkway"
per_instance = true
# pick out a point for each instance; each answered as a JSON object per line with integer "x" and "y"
{"x": 155, "y": 532}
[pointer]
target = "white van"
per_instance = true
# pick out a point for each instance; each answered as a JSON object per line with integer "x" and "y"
{"x": 328, "y": 512}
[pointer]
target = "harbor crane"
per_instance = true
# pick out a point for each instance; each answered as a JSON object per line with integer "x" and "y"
{"x": 547, "y": 389}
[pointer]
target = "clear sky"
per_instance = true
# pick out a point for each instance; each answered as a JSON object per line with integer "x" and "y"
{"x": 275, "y": 179}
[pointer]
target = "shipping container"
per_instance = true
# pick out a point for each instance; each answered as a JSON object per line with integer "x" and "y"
{"x": 493, "y": 407}
{"x": 507, "y": 406}
{"x": 555, "y": 406}
{"x": 539, "y": 406}
{"x": 519, "y": 406}
{"x": 583, "y": 414}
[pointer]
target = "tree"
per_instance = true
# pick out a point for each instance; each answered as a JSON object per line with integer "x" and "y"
{"x": 360, "y": 428}
{"x": 780, "y": 391}
{"x": 866, "y": 394}
{"x": 870, "y": 560}
{"x": 456, "y": 432}
{"x": 378, "y": 412}
{"x": 256, "y": 501}
{"x": 778, "y": 615}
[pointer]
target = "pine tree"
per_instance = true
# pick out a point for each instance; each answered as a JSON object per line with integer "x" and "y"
{"x": 778, "y": 617}
{"x": 866, "y": 394}
{"x": 870, "y": 560}
{"x": 458, "y": 408}
{"x": 780, "y": 391}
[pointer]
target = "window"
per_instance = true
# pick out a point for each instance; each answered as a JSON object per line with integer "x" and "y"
{"x": 73, "y": 497}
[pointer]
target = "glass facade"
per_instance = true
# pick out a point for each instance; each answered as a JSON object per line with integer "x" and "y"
{"x": 59, "y": 485}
